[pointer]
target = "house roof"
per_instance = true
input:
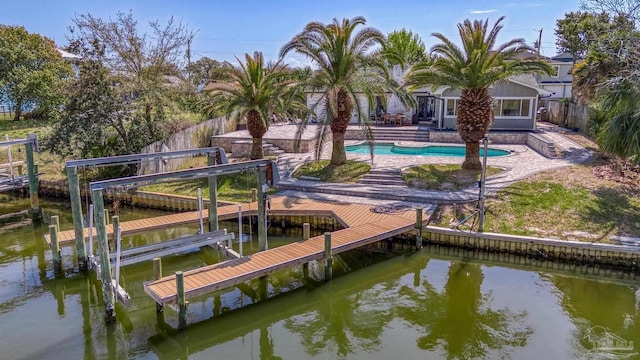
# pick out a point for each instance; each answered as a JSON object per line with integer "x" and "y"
{"x": 529, "y": 81}
{"x": 564, "y": 57}
{"x": 215, "y": 85}
{"x": 68, "y": 56}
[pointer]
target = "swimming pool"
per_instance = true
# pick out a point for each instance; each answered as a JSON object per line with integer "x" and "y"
{"x": 391, "y": 149}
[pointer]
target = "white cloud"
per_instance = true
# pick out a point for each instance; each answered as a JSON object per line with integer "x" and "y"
{"x": 482, "y": 11}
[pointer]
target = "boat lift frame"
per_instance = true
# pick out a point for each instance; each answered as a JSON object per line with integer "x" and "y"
{"x": 267, "y": 174}
{"x": 31, "y": 146}
{"x": 215, "y": 156}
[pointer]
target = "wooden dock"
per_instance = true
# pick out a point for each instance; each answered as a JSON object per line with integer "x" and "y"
{"x": 362, "y": 227}
{"x": 67, "y": 238}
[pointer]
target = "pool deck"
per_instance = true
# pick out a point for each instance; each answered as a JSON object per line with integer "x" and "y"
{"x": 522, "y": 162}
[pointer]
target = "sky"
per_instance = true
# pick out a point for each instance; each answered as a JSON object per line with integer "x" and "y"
{"x": 230, "y": 28}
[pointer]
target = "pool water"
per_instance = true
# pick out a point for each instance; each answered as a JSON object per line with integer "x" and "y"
{"x": 390, "y": 149}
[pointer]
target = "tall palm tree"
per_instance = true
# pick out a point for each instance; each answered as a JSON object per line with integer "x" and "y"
{"x": 344, "y": 70}
{"x": 479, "y": 64}
{"x": 254, "y": 92}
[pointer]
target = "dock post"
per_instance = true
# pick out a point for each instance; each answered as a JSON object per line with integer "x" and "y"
{"x": 254, "y": 194}
{"x": 32, "y": 173}
{"x": 419, "y": 227}
{"x": 90, "y": 231}
{"x": 55, "y": 220}
{"x": 262, "y": 209}
{"x": 117, "y": 239}
{"x": 182, "y": 306}
{"x": 157, "y": 274}
{"x": 213, "y": 196}
{"x": 306, "y": 234}
{"x": 240, "y": 230}
{"x": 106, "y": 215}
{"x": 328, "y": 261}
{"x": 76, "y": 214}
{"x": 55, "y": 249}
{"x": 306, "y": 231}
{"x": 108, "y": 293}
{"x": 201, "y": 228}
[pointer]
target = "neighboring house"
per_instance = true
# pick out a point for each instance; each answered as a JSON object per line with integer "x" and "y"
{"x": 515, "y": 105}
{"x": 561, "y": 80}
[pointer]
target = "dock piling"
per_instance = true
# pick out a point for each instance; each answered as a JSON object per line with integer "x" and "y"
{"x": 262, "y": 209}
{"x": 213, "y": 196}
{"x": 32, "y": 173}
{"x": 108, "y": 292}
{"x": 328, "y": 261}
{"x": 157, "y": 274}
{"x": 240, "y": 230}
{"x": 76, "y": 214}
{"x": 419, "y": 228}
{"x": 306, "y": 234}
{"x": 201, "y": 228}
{"x": 182, "y": 306}
{"x": 55, "y": 249}
{"x": 118, "y": 241}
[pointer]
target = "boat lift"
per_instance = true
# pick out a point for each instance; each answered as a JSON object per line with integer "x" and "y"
{"x": 267, "y": 174}
{"x": 15, "y": 182}
{"x": 214, "y": 156}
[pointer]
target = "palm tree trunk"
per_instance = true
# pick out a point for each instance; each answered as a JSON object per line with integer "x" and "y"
{"x": 338, "y": 153}
{"x": 472, "y": 156}
{"x": 256, "y": 149}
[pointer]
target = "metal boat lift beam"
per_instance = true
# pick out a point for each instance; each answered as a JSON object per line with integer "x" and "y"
{"x": 190, "y": 174}
{"x": 126, "y": 159}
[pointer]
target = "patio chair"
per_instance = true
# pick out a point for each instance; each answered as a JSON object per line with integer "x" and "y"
{"x": 399, "y": 119}
{"x": 386, "y": 118}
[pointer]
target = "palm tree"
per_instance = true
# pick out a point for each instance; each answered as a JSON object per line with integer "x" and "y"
{"x": 479, "y": 64}
{"x": 344, "y": 70}
{"x": 254, "y": 91}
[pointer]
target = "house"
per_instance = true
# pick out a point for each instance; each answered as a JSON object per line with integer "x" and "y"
{"x": 561, "y": 80}
{"x": 515, "y": 104}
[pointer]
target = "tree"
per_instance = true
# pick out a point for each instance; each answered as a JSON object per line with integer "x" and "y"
{"x": 206, "y": 70}
{"x": 97, "y": 120}
{"x": 31, "y": 70}
{"x": 344, "y": 71}
{"x": 255, "y": 90}
{"x": 578, "y": 30}
{"x": 615, "y": 119}
{"x": 479, "y": 64}
{"x": 626, "y": 8}
{"x": 143, "y": 62}
{"x": 403, "y": 48}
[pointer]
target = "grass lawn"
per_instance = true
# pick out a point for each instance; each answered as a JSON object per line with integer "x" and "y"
{"x": 235, "y": 187}
{"x": 573, "y": 203}
{"x": 444, "y": 177}
{"x": 350, "y": 172}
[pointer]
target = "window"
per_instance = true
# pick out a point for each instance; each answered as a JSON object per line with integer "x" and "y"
{"x": 511, "y": 107}
{"x": 556, "y": 71}
{"x": 450, "y": 107}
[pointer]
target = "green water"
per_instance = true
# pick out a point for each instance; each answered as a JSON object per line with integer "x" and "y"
{"x": 434, "y": 304}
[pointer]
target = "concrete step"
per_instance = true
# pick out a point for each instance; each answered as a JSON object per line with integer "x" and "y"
{"x": 382, "y": 182}
{"x": 383, "y": 177}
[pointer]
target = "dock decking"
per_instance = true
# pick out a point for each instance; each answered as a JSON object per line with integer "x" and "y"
{"x": 362, "y": 227}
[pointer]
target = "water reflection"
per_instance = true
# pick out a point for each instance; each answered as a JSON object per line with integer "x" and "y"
{"x": 422, "y": 305}
{"x": 460, "y": 320}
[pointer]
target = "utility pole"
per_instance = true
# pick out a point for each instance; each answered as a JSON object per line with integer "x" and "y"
{"x": 539, "y": 42}
{"x": 189, "y": 58}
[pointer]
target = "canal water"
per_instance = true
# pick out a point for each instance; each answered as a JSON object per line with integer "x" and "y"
{"x": 437, "y": 303}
